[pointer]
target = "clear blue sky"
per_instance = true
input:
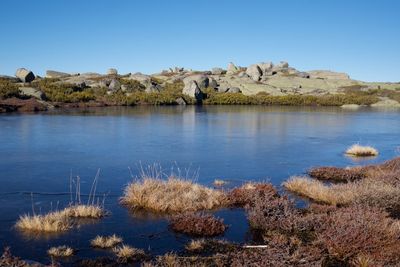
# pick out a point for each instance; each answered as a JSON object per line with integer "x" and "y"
{"x": 360, "y": 37}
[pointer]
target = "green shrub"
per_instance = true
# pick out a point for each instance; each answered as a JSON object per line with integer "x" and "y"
{"x": 63, "y": 92}
{"x": 8, "y": 89}
{"x": 132, "y": 85}
{"x": 214, "y": 98}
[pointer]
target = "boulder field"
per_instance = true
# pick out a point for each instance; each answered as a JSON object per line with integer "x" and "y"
{"x": 278, "y": 79}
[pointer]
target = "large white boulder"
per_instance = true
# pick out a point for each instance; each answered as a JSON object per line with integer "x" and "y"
{"x": 25, "y": 75}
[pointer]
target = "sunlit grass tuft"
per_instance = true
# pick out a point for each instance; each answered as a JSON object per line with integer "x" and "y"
{"x": 195, "y": 245}
{"x": 127, "y": 253}
{"x": 171, "y": 195}
{"x": 85, "y": 211}
{"x": 361, "y": 151}
{"x": 51, "y": 222}
{"x": 368, "y": 191}
{"x": 219, "y": 182}
{"x": 106, "y": 241}
{"x": 61, "y": 251}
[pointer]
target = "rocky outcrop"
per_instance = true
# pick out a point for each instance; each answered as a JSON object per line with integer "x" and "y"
{"x": 153, "y": 88}
{"x": 386, "y": 103}
{"x": 202, "y": 81}
{"x": 234, "y": 90}
{"x": 9, "y": 78}
{"x": 112, "y": 71}
{"x": 140, "y": 77}
{"x": 56, "y": 74}
{"x": 114, "y": 85}
{"x": 232, "y": 69}
{"x": 193, "y": 90}
{"x": 217, "y": 71}
{"x": 32, "y": 92}
{"x": 328, "y": 75}
{"x": 25, "y": 75}
{"x": 181, "y": 101}
{"x": 254, "y": 72}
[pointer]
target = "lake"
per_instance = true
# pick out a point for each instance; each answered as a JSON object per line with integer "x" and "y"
{"x": 38, "y": 153}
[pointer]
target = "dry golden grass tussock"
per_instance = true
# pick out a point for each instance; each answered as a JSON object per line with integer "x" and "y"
{"x": 172, "y": 195}
{"x": 361, "y": 151}
{"x": 51, "y": 222}
{"x": 106, "y": 241}
{"x": 320, "y": 192}
{"x": 127, "y": 253}
{"x": 195, "y": 245}
{"x": 219, "y": 182}
{"x": 85, "y": 211}
{"x": 367, "y": 191}
{"x": 61, "y": 251}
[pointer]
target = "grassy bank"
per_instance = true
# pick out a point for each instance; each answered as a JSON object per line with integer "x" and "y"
{"x": 134, "y": 94}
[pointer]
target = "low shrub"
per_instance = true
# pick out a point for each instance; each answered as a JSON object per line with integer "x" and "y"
{"x": 280, "y": 215}
{"x": 214, "y": 98}
{"x": 132, "y": 85}
{"x": 210, "y": 246}
{"x": 8, "y": 89}
{"x": 359, "y": 230}
{"x": 250, "y": 192}
{"x": 337, "y": 174}
{"x": 197, "y": 224}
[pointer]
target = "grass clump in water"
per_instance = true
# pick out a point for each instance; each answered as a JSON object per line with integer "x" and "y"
{"x": 127, "y": 253}
{"x": 106, "y": 241}
{"x": 85, "y": 211}
{"x": 361, "y": 151}
{"x": 52, "y": 222}
{"x": 174, "y": 194}
{"x": 61, "y": 251}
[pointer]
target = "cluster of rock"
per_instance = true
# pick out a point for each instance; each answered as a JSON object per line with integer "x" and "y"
{"x": 267, "y": 77}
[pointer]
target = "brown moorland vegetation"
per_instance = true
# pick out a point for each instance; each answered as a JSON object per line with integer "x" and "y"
{"x": 197, "y": 224}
